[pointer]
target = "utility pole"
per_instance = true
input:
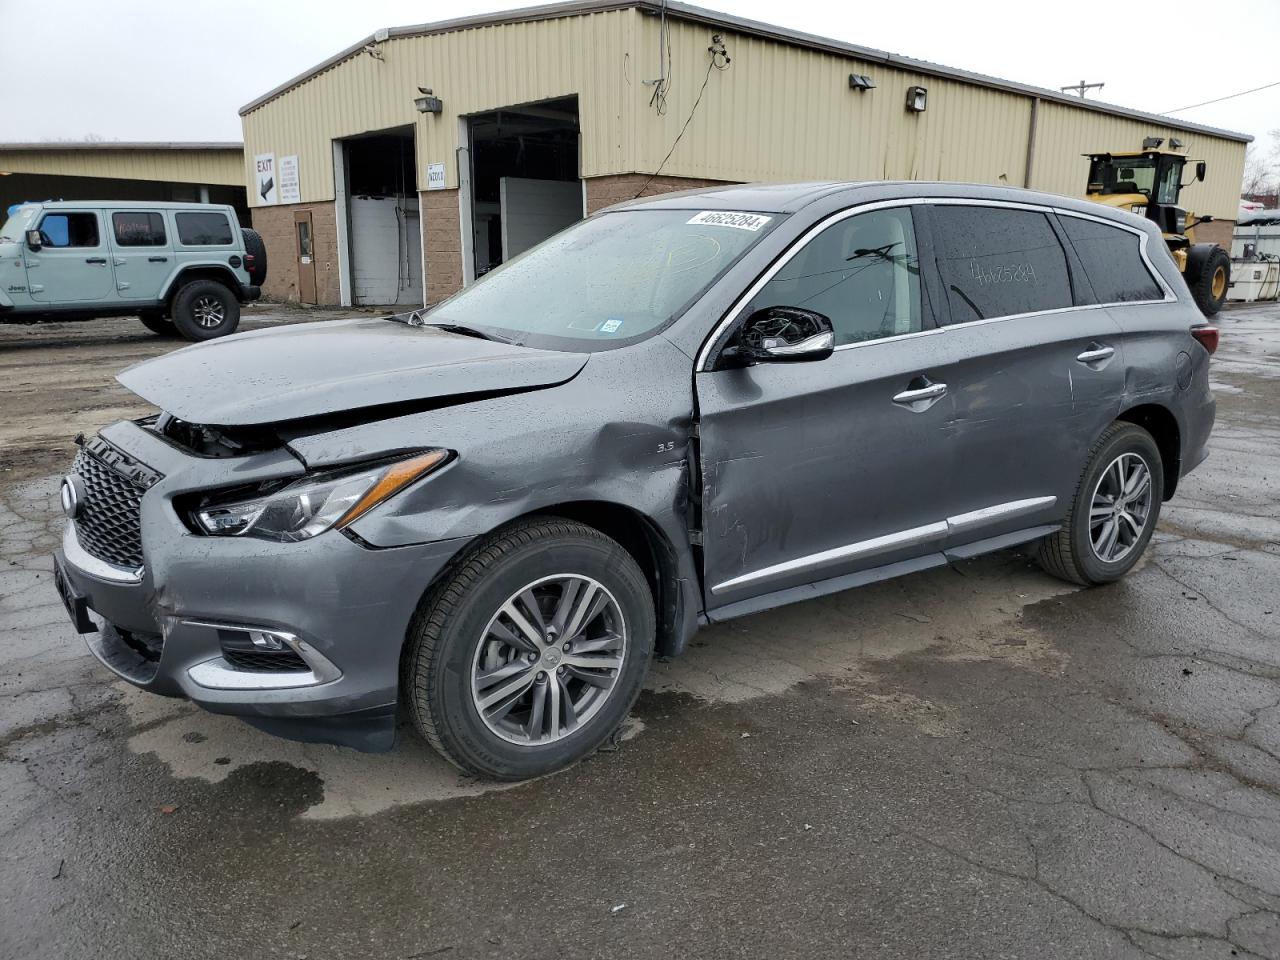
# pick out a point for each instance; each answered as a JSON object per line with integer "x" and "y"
{"x": 1080, "y": 88}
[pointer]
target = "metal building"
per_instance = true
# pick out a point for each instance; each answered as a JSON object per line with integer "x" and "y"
{"x": 195, "y": 172}
{"x": 417, "y": 159}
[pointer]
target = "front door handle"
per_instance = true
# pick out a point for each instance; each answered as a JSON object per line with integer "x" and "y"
{"x": 157, "y": 259}
{"x": 921, "y": 394}
{"x": 101, "y": 260}
{"x": 1096, "y": 352}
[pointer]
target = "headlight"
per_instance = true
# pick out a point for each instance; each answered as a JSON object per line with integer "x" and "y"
{"x": 312, "y": 505}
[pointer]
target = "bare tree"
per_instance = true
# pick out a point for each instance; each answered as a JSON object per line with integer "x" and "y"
{"x": 1262, "y": 170}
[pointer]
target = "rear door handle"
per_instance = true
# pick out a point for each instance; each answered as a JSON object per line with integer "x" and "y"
{"x": 1097, "y": 352}
{"x": 101, "y": 260}
{"x": 920, "y": 394}
{"x": 157, "y": 259}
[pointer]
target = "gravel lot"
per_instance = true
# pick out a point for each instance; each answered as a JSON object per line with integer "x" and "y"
{"x": 976, "y": 762}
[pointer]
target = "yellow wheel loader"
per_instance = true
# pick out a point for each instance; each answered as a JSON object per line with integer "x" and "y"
{"x": 1149, "y": 183}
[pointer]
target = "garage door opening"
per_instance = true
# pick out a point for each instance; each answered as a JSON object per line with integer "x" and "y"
{"x": 385, "y": 236}
{"x": 525, "y": 184}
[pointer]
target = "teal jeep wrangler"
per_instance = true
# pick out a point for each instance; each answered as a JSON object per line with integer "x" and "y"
{"x": 181, "y": 268}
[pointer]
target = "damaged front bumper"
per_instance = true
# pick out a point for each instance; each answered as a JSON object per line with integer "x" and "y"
{"x": 301, "y": 639}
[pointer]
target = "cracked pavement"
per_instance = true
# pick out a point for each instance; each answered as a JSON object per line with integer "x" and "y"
{"x": 978, "y": 761}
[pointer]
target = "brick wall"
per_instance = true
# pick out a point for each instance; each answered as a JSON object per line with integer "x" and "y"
{"x": 605, "y": 191}
{"x": 276, "y": 226}
{"x": 442, "y": 243}
{"x": 1219, "y": 232}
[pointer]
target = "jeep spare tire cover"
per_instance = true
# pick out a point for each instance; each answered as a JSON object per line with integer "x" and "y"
{"x": 257, "y": 250}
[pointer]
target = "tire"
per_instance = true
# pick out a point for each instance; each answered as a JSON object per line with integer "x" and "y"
{"x": 158, "y": 324}
{"x": 199, "y": 303}
{"x": 256, "y": 249}
{"x": 1071, "y": 553}
{"x": 455, "y": 645}
{"x": 1209, "y": 290}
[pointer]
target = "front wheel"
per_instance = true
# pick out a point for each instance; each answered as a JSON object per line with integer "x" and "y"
{"x": 204, "y": 309}
{"x": 529, "y": 656}
{"x": 1114, "y": 513}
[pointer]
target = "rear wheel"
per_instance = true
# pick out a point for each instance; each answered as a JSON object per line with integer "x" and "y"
{"x": 1210, "y": 289}
{"x": 1114, "y": 513}
{"x": 204, "y": 309}
{"x": 158, "y": 324}
{"x": 531, "y": 653}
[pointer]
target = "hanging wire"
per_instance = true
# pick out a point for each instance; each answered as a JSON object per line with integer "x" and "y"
{"x": 719, "y": 61}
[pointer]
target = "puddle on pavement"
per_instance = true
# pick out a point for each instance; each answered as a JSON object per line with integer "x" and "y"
{"x": 193, "y": 743}
{"x": 972, "y": 612}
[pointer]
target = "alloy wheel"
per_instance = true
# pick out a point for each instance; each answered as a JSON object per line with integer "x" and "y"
{"x": 1120, "y": 508}
{"x": 549, "y": 659}
{"x": 209, "y": 312}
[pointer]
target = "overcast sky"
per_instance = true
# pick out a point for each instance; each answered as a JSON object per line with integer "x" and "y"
{"x": 180, "y": 69}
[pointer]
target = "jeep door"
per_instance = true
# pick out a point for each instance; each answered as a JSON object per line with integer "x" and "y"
{"x": 1033, "y": 365}
{"x": 142, "y": 253}
{"x": 817, "y": 470}
{"x": 73, "y": 263}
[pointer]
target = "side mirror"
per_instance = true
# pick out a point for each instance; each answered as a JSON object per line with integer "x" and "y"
{"x": 785, "y": 335}
{"x": 1200, "y": 169}
{"x": 34, "y": 242}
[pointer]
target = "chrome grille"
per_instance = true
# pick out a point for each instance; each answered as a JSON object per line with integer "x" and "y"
{"x": 109, "y": 525}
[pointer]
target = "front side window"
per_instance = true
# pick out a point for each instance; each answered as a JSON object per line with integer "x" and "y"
{"x": 999, "y": 262}
{"x": 69, "y": 230}
{"x": 203, "y": 229}
{"x": 608, "y": 281}
{"x": 1112, "y": 259}
{"x": 862, "y": 273}
{"x": 144, "y": 229}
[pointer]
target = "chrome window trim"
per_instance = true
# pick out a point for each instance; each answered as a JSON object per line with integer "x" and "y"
{"x": 731, "y": 316}
{"x": 92, "y": 566}
{"x": 913, "y": 536}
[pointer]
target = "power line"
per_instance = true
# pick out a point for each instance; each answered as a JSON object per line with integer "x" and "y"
{"x": 1231, "y": 96}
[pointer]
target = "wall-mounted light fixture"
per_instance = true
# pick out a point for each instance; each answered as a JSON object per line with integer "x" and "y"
{"x": 860, "y": 81}
{"x": 428, "y": 103}
{"x": 917, "y": 99}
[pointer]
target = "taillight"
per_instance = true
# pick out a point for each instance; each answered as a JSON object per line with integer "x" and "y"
{"x": 1207, "y": 336}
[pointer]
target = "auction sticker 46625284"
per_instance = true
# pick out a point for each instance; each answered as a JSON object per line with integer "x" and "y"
{"x": 728, "y": 218}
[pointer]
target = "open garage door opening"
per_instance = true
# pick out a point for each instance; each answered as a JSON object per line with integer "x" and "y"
{"x": 385, "y": 235}
{"x": 525, "y": 182}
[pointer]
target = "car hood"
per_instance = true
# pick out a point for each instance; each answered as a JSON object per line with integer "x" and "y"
{"x": 335, "y": 366}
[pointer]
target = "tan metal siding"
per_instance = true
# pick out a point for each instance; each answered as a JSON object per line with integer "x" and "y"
{"x": 175, "y": 166}
{"x": 1064, "y": 134}
{"x": 472, "y": 71}
{"x": 781, "y": 112}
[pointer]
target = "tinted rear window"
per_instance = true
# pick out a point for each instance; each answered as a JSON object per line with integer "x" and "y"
{"x": 997, "y": 261}
{"x": 1112, "y": 259}
{"x": 203, "y": 229}
{"x": 138, "y": 229}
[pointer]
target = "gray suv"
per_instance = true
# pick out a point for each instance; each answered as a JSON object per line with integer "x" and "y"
{"x": 493, "y": 514}
{"x": 182, "y": 268}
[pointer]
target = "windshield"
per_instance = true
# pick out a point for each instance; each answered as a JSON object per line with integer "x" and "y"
{"x": 20, "y": 221}
{"x": 608, "y": 281}
{"x": 1124, "y": 175}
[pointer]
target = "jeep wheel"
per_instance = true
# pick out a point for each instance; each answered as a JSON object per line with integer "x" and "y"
{"x": 158, "y": 324}
{"x": 256, "y": 256}
{"x": 204, "y": 309}
{"x": 529, "y": 656}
